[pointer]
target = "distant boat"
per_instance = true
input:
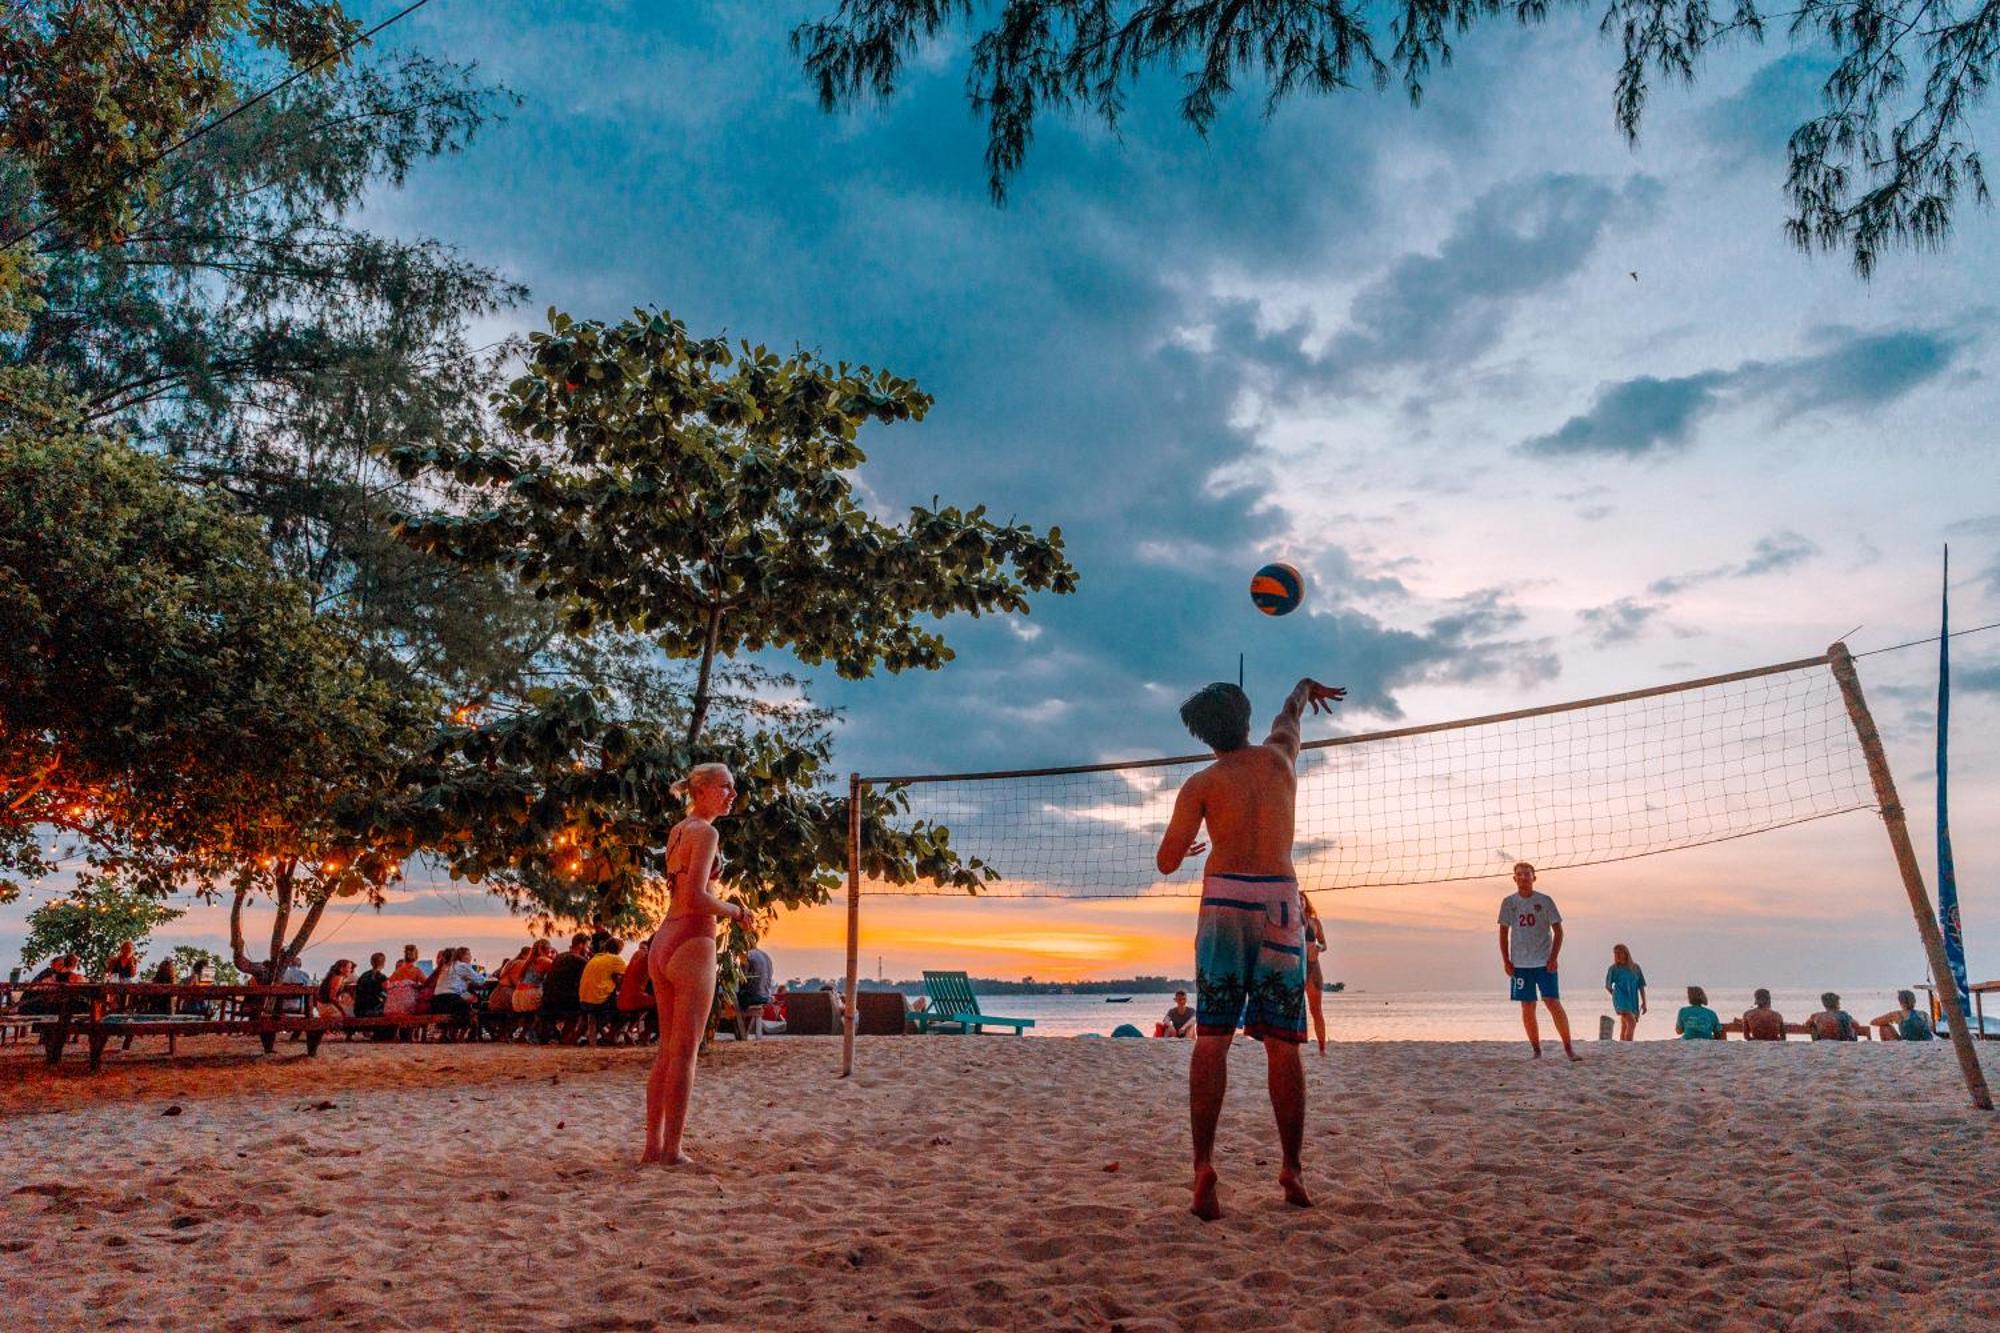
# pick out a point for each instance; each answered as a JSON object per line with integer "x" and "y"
{"x": 1118, "y": 999}
{"x": 1335, "y": 987}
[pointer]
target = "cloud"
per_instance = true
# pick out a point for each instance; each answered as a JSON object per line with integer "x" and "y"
{"x": 1619, "y": 621}
{"x": 1757, "y": 120}
{"x": 1855, "y": 371}
{"x": 1780, "y": 550}
{"x": 1442, "y": 308}
{"x": 1634, "y": 417}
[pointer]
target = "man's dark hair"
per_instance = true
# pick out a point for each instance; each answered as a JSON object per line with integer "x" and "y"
{"x": 1763, "y": 999}
{"x": 1219, "y": 716}
{"x": 1830, "y": 1000}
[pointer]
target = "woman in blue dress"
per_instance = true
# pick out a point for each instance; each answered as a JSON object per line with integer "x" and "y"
{"x": 1626, "y": 985}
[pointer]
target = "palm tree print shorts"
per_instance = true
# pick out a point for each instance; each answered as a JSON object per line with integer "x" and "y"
{"x": 1250, "y": 958}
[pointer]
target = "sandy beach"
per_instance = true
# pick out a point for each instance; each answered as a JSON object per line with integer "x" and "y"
{"x": 999, "y": 1182}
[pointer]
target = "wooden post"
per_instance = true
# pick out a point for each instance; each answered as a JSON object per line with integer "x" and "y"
{"x": 853, "y": 920}
{"x": 1913, "y": 876}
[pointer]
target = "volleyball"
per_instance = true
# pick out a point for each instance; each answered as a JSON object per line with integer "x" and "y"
{"x": 1277, "y": 589}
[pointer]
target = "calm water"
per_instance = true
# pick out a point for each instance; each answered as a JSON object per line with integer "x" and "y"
{"x": 1429, "y": 1015}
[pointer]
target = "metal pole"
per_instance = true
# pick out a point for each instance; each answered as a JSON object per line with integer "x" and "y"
{"x": 853, "y": 920}
{"x": 1913, "y": 876}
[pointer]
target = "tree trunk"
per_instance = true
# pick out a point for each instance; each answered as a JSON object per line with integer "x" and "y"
{"x": 318, "y": 898}
{"x": 282, "y": 903}
{"x": 698, "y": 713}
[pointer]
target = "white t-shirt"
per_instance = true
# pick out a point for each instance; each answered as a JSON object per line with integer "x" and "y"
{"x": 1529, "y": 921}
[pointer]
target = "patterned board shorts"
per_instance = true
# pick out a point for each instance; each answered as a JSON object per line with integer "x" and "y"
{"x": 1250, "y": 958}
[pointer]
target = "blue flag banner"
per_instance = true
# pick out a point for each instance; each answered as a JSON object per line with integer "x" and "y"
{"x": 1948, "y": 921}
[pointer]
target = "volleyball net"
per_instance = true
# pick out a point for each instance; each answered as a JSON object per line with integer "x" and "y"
{"x": 1571, "y": 784}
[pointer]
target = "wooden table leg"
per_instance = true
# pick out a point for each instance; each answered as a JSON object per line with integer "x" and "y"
{"x": 98, "y": 1039}
{"x": 312, "y": 1041}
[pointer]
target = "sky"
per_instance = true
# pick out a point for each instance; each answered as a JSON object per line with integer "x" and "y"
{"x": 1540, "y": 414}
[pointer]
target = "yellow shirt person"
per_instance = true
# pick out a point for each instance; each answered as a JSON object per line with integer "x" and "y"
{"x": 600, "y": 976}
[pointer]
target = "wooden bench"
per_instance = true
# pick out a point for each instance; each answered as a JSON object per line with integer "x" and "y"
{"x": 97, "y": 1012}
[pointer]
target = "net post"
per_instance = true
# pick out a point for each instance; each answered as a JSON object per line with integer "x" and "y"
{"x": 1842, "y": 663}
{"x": 853, "y": 920}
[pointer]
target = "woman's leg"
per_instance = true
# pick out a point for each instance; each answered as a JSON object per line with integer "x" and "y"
{"x": 1314, "y": 986}
{"x": 1627, "y": 1025}
{"x": 684, "y": 983}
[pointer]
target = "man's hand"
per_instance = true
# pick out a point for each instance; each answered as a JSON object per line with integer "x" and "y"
{"x": 1508, "y": 964}
{"x": 1322, "y": 697}
{"x": 1550, "y": 965}
{"x": 1196, "y": 848}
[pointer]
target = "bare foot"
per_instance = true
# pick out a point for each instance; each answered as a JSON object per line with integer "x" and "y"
{"x": 1538, "y": 1052}
{"x": 1572, "y": 1055}
{"x": 1206, "y": 1206}
{"x": 1294, "y": 1186}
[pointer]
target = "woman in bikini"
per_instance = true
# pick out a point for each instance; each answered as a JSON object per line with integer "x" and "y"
{"x": 681, "y": 957}
{"x": 1315, "y": 980}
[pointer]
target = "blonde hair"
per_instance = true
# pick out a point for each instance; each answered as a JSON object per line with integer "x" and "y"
{"x": 701, "y": 775}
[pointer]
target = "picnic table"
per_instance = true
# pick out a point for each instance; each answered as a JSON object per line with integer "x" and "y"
{"x": 98, "y": 1011}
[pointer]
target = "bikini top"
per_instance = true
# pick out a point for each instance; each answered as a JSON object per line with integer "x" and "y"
{"x": 673, "y": 875}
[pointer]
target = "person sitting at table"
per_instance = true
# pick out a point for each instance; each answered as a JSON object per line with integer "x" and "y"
{"x": 527, "y": 998}
{"x": 371, "y": 987}
{"x": 560, "y": 988}
{"x": 453, "y": 982}
{"x": 61, "y": 971}
{"x": 336, "y": 990}
{"x": 635, "y": 993}
{"x": 399, "y": 997}
{"x": 500, "y": 1000}
{"x": 197, "y": 976}
{"x": 124, "y": 965}
{"x": 597, "y": 988}
{"x": 163, "y": 975}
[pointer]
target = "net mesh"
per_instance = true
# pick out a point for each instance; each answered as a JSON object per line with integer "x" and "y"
{"x": 1569, "y": 785}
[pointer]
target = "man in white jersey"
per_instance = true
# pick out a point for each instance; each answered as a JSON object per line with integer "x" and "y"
{"x": 1531, "y": 938}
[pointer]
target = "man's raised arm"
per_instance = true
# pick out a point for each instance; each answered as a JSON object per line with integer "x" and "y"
{"x": 1285, "y": 730}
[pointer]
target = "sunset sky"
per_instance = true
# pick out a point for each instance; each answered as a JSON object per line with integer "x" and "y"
{"x": 1540, "y": 415}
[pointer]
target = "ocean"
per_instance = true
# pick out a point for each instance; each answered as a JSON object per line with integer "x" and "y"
{"x": 1432, "y": 1015}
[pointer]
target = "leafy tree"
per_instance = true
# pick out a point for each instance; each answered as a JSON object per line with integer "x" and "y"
{"x": 171, "y": 703}
{"x": 244, "y": 327}
{"x": 220, "y": 970}
{"x": 92, "y": 95}
{"x": 699, "y": 497}
{"x": 1883, "y": 163}
{"x": 670, "y": 488}
{"x": 92, "y": 922}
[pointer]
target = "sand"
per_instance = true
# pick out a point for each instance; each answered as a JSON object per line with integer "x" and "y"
{"x": 999, "y": 1182}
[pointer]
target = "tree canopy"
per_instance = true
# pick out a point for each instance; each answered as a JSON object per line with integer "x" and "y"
{"x": 92, "y": 922}
{"x": 92, "y": 96}
{"x": 1882, "y": 162}
{"x": 698, "y": 497}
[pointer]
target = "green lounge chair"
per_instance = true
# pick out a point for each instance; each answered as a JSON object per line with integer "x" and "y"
{"x": 954, "y": 1004}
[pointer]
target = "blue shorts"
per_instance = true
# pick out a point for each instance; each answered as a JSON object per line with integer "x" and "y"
{"x": 1250, "y": 958}
{"x": 1527, "y": 982}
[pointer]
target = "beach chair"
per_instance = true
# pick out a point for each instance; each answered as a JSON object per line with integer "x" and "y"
{"x": 811, "y": 1013}
{"x": 954, "y": 1005}
{"x": 881, "y": 1013}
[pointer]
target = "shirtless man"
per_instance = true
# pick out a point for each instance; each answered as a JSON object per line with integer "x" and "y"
{"x": 1250, "y": 963}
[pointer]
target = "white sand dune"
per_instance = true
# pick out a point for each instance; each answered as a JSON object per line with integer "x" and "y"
{"x": 999, "y": 1183}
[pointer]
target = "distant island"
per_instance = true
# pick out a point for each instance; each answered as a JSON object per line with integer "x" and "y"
{"x": 1027, "y": 986}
